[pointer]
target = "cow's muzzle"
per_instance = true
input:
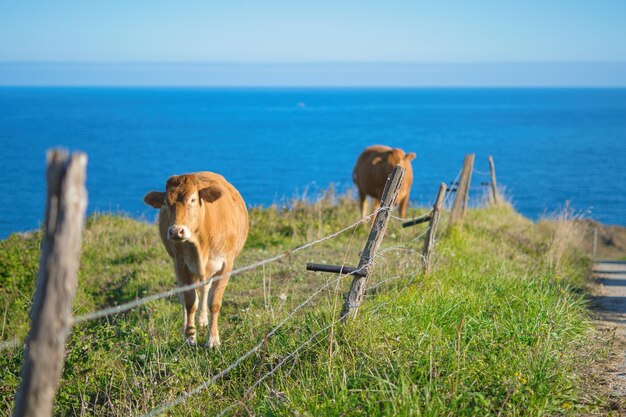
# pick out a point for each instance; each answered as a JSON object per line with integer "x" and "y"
{"x": 178, "y": 232}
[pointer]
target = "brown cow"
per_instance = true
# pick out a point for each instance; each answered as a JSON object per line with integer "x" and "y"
{"x": 203, "y": 223}
{"x": 373, "y": 167}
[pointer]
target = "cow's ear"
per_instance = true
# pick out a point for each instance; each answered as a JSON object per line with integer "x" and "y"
{"x": 154, "y": 199}
{"x": 409, "y": 156}
{"x": 211, "y": 194}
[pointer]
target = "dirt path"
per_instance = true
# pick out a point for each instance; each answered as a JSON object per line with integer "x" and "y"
{"x": 610, "y": 309}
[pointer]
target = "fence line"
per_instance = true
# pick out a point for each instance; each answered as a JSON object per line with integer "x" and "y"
{"x": 292, "y": 354}
{"x": 400, "y": 219}
{"x": 109, "y": 311}
{"x": 183, "y": 397}
{"x": 360, "y": 273}
{"x": 235, "y": 363}
{"x": 295, "y": 352}
{"x": 403, "y": 245}
{"x": 141, "y": 301}
{"x": 384, "y": 281}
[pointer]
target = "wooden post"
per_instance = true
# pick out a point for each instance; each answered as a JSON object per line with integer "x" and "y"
{"x": 462, "y": 195}
{"x": 429, "y": 242}
{"x": 494, "y": 184}
{"x": 354, "y": 297}
{"x": 51, "y": 313}
{"x": 595, "y": 243}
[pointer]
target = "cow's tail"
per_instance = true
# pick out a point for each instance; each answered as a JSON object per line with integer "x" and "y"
{"x": 354, "y": 175}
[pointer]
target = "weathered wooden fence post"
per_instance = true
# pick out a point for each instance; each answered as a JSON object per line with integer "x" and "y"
{"x": 354, "y": 297}
{"x": 51, "y": 313}
{"x": 429, "y": 242}
{"x": 462, "y": 194}
{"x": 494, "y": 185}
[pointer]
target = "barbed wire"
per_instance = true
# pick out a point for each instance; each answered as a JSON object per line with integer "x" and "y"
{"x": 296, "y": 351}
{"x": 380, "y": 283}
{"x": 183, "y": 397}
{"x": 235, "y": 363}
{"x": 299, "y": 348}
{"x": 403, "y": 245}
{"x": 292, "y": 354}
{"x": 141, "y": 301}
{"x": 401, "y": 219}
{"x": 380, "y": 255}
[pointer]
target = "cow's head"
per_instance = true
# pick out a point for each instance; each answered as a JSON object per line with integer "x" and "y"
{"x": 182, "y": 202}
{"x": 398, "y": 157}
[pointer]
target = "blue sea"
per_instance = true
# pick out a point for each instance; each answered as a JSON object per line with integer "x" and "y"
{"x": 549, "y": 145}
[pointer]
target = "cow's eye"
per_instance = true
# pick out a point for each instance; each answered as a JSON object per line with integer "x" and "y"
{"x": 192, "y": 200}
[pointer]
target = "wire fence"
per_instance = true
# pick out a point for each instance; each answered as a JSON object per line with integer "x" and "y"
{"x": 185, "y": 396}
{"x": 105, "y": 312}
{"x": 294, "y": 353}
{"x": 121, "y": 308}
{"x": 235, "y": 363}
{"x": 291, "y": 355}
{"x": 377, "y": 260}
{"x": 102, "y": 313}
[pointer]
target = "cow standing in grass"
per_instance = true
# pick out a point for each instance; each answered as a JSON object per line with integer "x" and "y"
{"x": 203, "y": 224}
{"x": 373, "y": 167}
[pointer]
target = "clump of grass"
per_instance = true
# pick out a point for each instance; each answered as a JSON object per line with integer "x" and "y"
{"x": 490, "y": 332}
{"x": 566, "y": 239}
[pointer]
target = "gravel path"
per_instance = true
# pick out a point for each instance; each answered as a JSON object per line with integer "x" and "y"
{"x": 610, "y": 309}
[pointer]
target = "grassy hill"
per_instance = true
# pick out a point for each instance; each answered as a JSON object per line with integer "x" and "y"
{"x": 499, "y": 328}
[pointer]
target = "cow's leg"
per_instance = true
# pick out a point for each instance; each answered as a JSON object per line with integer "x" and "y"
{"x": 402, "y": 206}
{"x": 181, "y": 298}
{"x": 363, "y": 203}
{"x": 215, "y": 303}
{"x": 212, "y": 269}
{"x": 376, "y": 204}
{"x": 190, "y": 303}
{"x": 203, "y": 318}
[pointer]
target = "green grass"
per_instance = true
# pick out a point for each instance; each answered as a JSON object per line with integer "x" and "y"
{"x": 494, "y": 330}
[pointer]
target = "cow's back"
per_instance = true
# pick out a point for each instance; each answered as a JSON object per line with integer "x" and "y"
{"x": 226, "y": 219}
{"x": 373, "y": 167}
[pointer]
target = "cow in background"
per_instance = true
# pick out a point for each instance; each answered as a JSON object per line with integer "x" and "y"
{"x": 370, "y": 173}
{"x": 203, "y": 224}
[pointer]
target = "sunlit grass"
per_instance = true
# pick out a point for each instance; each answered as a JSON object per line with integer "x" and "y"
{"x": 495, "y": 330}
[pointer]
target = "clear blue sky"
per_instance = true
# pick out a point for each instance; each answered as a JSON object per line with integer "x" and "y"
{"x": 336, "y": 31}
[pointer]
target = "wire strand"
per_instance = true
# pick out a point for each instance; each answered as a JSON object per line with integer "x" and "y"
{"x": 292, "y": 354}
{"x": 141, "y": 301}
{"x": 234, "y": 364}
